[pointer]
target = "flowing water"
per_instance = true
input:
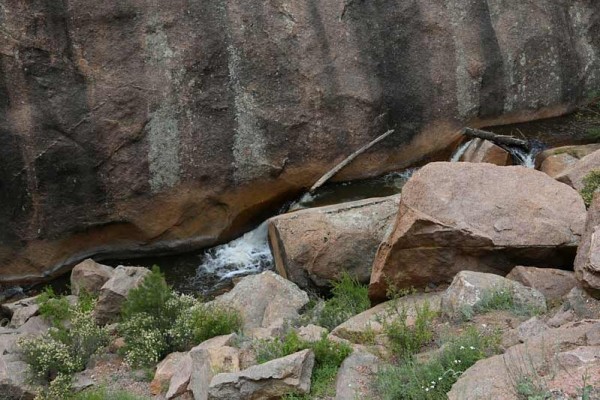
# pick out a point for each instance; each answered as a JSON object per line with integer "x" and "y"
{"x": 210, "y": 271}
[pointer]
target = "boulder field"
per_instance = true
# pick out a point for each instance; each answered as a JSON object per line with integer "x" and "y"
{"x": 129, "y": 128}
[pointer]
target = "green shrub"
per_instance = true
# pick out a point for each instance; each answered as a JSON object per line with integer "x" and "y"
{"x": 591, "y": 182}
{"x": 151, "y": 298}
{"x": 431, "y": 380}
{"x": 105, "y": 394}
{"x": 349, "y": 298}
{"x": 65, "y": 350}
{"x": 157, "y": 321}
{"x": 201, "y": 322}
{"x": 329, "y": 355}
{"x": 407, "y": 340}
{"x": 52, "y": 307}
{"x": 59, "y": 388}
{"x": 593, "y": 133}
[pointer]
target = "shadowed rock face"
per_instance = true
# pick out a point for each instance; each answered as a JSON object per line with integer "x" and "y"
{"x": 130, "y": 128}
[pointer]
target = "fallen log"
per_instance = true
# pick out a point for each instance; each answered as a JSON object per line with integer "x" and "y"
{"x": 347, "y": 161}
{"x": 501, "y": 140}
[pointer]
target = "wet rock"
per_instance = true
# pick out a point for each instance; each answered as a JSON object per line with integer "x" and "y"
{"x": 89, "y": 276}
{"x": 468, "y": 288}
{"x": 272, "y": 379}
{"x": 128, "y": 128}
{"x": 497, "y": 377}
{"x": 574, "y": 175}
{"x": 265, "y": 302}
{"x": 467, "y": 216}
{"x": 484, "y": 151}
{"x": 554, "y": 284}
{"x": 355, "y": 376}
{"x": 587, "y": 262}
{"x": 114, "y": 292}
{"x": 313, "y": 247}
{"x": 370, "y": 322}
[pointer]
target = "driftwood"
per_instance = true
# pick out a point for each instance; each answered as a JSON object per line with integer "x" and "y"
{"x": 347, "y": 161}
{"x": 501, "y": 140}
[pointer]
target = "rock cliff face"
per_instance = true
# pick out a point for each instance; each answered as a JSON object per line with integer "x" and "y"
{"x": 137, "y": 127}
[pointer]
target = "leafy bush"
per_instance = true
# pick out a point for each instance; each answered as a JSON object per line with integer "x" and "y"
{"x": 349, "y": 298}
{"x": 157, "y": 321}
{"x": 65, "y": 350}
{"x": 52, "y": 307}
{"x": 201, "y": 322}
{"x": 433, "y": 379}
{"x": 329, "y": 355}
{"x": 407, "y": 340}
{"x": 591, "y": 182}
{"x": 59, "y": 388}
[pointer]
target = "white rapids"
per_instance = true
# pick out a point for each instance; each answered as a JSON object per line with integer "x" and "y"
{"x": 248, "y": 254}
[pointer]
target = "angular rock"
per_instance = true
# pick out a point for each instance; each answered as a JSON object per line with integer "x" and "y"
{"x": 532, "y": 327}
{"x": 371, "y": 321}
{"x": 194, "y": 369}
{"x": 114, "y": 292}
{"x": 468, "y": 287}
{"x": 22, "y": 315}
{"x": 497, "y": 377}
{"x": 313, "y": 247}
{"x": 575, "y": 151}
{"x": 181, "y": 378}
{"x": 20, "y": 311}
{"x": 89, "y": 276}
{"x": 264, "y": 301}
{"x": 554, "y": 284}
{"x": 128, "y": 128}
{"x": 270, "y": 380}
{"x": 587, "y": 262}
{"x": 311, "y": 333}
{"x": 484, "y": 151}
{"x": 573, "y": 176}
{"x": 468, "y": 216}
{"x": 556, "y": 164}
{"x": 14, "y": 380}
{"x": 165, "y": 371}
{"x": 355, "y": 376}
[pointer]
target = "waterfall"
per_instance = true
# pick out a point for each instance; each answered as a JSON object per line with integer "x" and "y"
{"x": 248, "y": 254}
{"x": 460, "y": 151}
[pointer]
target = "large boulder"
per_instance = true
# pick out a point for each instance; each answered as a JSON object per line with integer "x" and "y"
{"x": 480, "y": 150}
{"x": 556, "y": 359}
{"x": 266, "y": 302}
{"x": 114, "y": 292}
{"x": 129, "y": 128}
{"x": 574, "y": 175}
{"x": 313, "y": 247}
{"x": 271, "y": 380}
{"x": 469, "y": 288}
{"x": 89, "y": 276}
{"x": 481, "y": 217}
{"x": 587, "y": 262}
{"x": 553, "y": 283}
